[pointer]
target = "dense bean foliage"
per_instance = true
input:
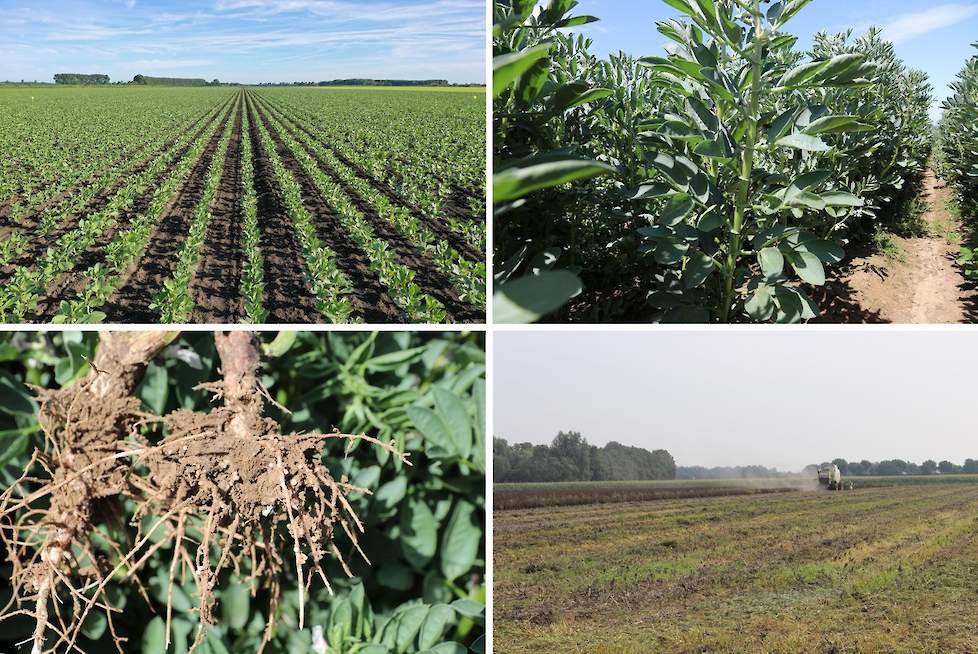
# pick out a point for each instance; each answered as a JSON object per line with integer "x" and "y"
{"x": 424, "y": 524}
{"x": 958, "y": 150}
{"x": 735, "y": 167}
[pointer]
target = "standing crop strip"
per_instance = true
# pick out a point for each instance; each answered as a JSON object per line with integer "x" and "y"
{"x": 958, "y": 152}
{"x": 714, "y": 183}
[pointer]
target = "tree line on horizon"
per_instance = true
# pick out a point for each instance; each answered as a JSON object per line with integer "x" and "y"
{"x": 569, "y": 457}
{"x": 97, "y": 79}
{"x": 888, "y": 467}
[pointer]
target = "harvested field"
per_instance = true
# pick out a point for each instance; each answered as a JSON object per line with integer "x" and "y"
{"x": 242, "y": 205}
{"x": 886, "y": 568}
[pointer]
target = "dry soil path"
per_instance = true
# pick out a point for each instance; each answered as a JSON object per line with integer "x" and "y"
{"x": 922, "y": 285}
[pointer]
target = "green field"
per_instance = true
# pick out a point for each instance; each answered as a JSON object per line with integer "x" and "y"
{"x": 224, "y": 205}
{"x": 889, "y": 566}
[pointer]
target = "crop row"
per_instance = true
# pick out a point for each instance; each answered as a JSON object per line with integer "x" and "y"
{"x": 468, "y": 277}
{"x": 22, "y": 238}
{"x": 399, "y": 279}
{"x": 958, "y": 152}
{"x": 128, "y": 244}
{"x": 714, "y": 182}
{"x": 433, "y": 154}
{"x": 259, "y": 220}
{"x": 173, "y": 302}
{"x": 330, "y": 285}
{"x": 24, "y": 290}
{"x": 40, "y": 163}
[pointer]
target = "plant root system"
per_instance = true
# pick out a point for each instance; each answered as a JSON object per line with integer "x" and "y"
{"x": 243, "y": 489}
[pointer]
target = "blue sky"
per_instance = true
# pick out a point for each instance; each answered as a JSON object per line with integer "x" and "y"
{"x": 935, "y": 37}
{"x": 244, "y": 40}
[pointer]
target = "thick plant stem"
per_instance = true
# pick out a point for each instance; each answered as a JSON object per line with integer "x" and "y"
{"x": 114, "y": 374}
{"x": 747, "y": 166}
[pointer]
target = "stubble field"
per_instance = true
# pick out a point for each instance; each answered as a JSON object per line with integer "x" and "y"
{"x": 885, "y": 568}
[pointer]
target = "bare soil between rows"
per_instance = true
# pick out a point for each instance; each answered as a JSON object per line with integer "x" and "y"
{"x": 370, "y": 299}
{"x": 439, "y": 228}
{"x": 33, "y": 217}
{"x": 39, "y": 243}
{"x": 216, "y": 282}
{"x": 132, "y": 301}
{"x": 921, "y": 285}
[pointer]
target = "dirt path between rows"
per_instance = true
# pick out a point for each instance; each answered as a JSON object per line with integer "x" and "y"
{"x": 922, "y": 284}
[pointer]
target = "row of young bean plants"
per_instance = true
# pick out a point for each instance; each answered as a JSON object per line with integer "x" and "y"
{"x": 26, "y": 286}
{"x": 432, "y": 154}
{"x": 173, "y": 302}
{"x": 958, "y": 154}
{"x": 53, "y": 140}
{"x": 713, "y": 183}
{"x": 20, "y": 236}
{"x": 399, "y": 279}
{"x": 331, "y": 286}
{"x": 130, "y": 243}
{"x": 467, "y": 276}
{"x": 253, "y": 275}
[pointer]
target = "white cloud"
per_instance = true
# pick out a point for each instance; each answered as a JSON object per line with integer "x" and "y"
{"x": 130, "y": 3}
{"x": 908, "y": 26}
{"x": 165, "y": 64}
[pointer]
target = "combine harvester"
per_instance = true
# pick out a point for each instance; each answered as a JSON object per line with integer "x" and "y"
{"x": 830, "y": 477}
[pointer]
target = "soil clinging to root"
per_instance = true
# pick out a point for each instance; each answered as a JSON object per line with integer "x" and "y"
{"x": 255, "y": 494}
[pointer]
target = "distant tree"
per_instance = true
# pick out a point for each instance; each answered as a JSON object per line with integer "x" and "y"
{"x": 168, "y": 81}
{"x": 970, "y": 466}
{"x": 79, "y": 78}
{"x": 843, "y": 465}
{"x": 946, "y": 467}
{"x": 573, "y": 449}
{"x": 569, "y": 457}
{"x": 810, "y": 470}
{"x": 928, "y": 467}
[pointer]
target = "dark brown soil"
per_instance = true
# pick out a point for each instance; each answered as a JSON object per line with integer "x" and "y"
{"x": 145, "y": 276}
{"x": 216, "y": 283}
{"x": 439, "y": 228}
{"x": 71, "y": 284}
{"x": 288, "y": 297}
{"x": 427, "y": 276}
{"x": 370, "y": 299}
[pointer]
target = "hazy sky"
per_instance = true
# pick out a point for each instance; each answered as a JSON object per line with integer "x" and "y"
{"x": 935, "y": 37}
{"x": 761, "y": 397}
{"x": 244, "y": 40}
